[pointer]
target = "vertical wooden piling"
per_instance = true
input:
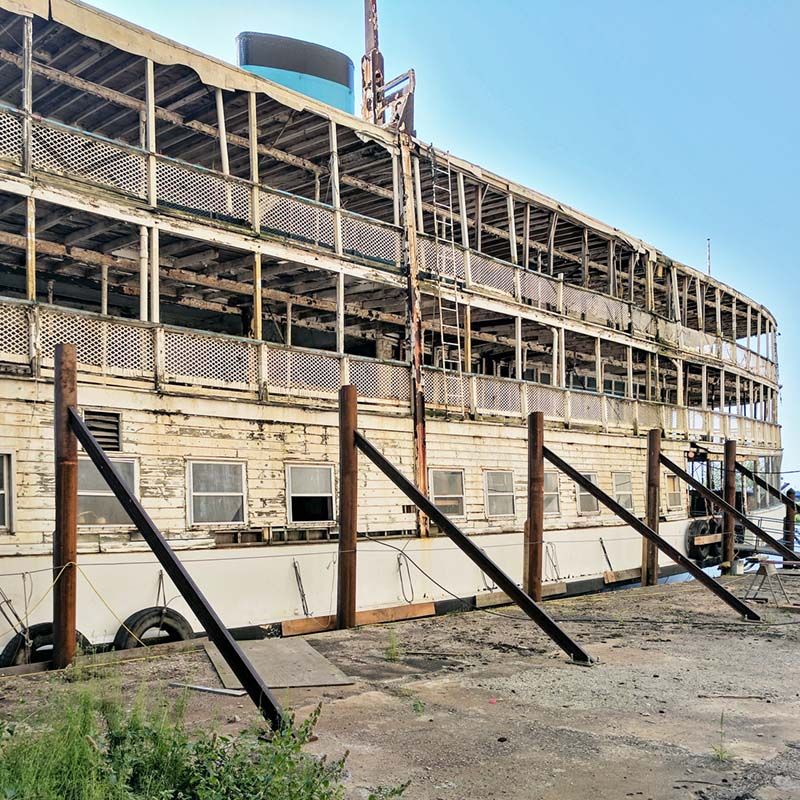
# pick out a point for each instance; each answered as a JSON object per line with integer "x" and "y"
{"x": 348, "y": 507}
{"x": 728, "y": 535}
{"x": 649, "y": 550}
{"x": 65, "y": 537}
{"x": 534, "y": 526}
{"x": 788, "y": 529}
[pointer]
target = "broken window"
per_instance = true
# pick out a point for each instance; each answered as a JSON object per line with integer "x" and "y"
{"x": 447, "y": 489}
{"x": 96, "y": 502}
{"x": 499, "y": 493}
{"x": 216, "y": 492}
{"x": 587, "y": 503}
{"x": 310, "y": 492}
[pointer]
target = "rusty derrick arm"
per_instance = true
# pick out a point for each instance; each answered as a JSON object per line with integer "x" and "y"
{"x": 777, "y": 546}
{"x": 476, "y": 555}
{"x": 254, "y": 684}
{"x": 662, "y": 544}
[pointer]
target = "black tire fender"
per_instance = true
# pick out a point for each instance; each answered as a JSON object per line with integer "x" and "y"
{"x": 173, "y": 625}
{"x": 41, "y": 636}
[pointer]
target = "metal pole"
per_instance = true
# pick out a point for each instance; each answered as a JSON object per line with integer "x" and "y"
{"x": 534, "y": 529}
{"x": 348, "y": 507}
{"x": 728, "y": 535}
{"x": 65, "y": 536}
{"x": 649, "y": 549}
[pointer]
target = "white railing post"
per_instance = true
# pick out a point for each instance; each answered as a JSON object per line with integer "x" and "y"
{"x": 604, "y": 412}
{"x": 335, "y": 199}
{"x": 344, "y": 370}
{"x": 560, "y": 294}
{"x": 263, "y": 372}
{"x": 159, "y": 359}
{"x": 567, "y": 406}
{"x": 473, "y": 395}
{"x": 523, "y": 399}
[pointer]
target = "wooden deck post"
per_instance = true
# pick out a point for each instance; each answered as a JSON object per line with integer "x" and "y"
{"x": 649, "y": 550}
{"x": 534, "y": 526}
{"x": 728, "y": 535}
{"x": 788, "y": 530}
{"x": 348, "y": 507}
{"x": 65, "y": 536}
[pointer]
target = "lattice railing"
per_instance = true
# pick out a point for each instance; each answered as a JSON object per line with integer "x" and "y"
{"x": 15, "y": 331}
{"x": 498, "y": 396}
{"x": 366, "y": 239}
{"x": 538, "y": 290}
{"x": 586, "y": 407}
{"x": 441, "y": 259}
{"x": 10, "y": 136}
{"x": 299, "y": 219}
{"x": 550, "y": 401}
{"x": 91, "y": 158}
{"x": 210, "y": 360}
{"x": 381, "y": 380}
{"x": 446, "y": 390}
{"x": 492, "y": 274}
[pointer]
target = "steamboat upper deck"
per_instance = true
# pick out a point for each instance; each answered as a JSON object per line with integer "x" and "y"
{"x": 189, "y": 224}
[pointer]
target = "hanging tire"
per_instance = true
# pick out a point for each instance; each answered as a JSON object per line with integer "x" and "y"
{"x": 150, "y": 626}
{"x": 41, "y": 636}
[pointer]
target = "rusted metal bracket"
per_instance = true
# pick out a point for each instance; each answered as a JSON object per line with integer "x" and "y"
{"x": 252, "y": 682}
{"x": 476, "y": 555}
{"x": 777, "y": 546}
{"x": 664, "y": 546}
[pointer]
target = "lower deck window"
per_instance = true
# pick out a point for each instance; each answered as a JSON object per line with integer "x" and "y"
{"x": 674, "y": 493}
{"x": 5, "y": 492}
{"x": 96, "y": 502}
{"x": 623, "y": 489}
{"x": 587, "y": 503}
{"x": 310, "y": 492}
{"x": 499, "y": 493}
{"x": 216, "y": 493}
{"x": 552, "y": 502}
{"x": 447, "y": 490}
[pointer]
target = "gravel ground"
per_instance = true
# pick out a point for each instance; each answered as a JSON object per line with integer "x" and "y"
{"x": 686, "y": 701}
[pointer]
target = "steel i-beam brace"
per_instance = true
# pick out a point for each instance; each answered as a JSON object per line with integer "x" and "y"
{"x": 467, "y": 546}
{"x": 664, "y": 546}
{"x": 229, "y": 649}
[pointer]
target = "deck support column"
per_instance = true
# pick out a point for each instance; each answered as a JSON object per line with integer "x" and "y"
{"x": 65, "y": 536}
{"x": 27, "y": 94}
{"x": 415, "y": 332}
{"x": 649, "y": 550}
{"x": 348, "y": 507}
{"x": 728, "y": 535}
{"x": 533, "y": 559}
{"x": 144, "y": 248}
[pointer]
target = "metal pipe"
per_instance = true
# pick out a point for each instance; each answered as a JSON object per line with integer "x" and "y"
{"x": 664, "y": 546}
{"x": 476, "y": 555}
{"x": 65, "y": 536}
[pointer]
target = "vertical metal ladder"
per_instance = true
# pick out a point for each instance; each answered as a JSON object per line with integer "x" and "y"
{"x": 445, "y": 271}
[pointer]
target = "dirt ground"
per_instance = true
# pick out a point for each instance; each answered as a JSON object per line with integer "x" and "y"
{"x": 685, "y": 702}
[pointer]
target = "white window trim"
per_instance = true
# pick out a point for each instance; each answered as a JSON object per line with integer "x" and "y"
{"x": 325, "y": 523}
{"x": 557, "y": 493}
{"x": 9, "y": 498}
{"x": 617, "y": 493}
{"x": 667, "y": 493}
{"x": 463, "y": 494}
{"x": 486, "y": 494}
{"x": 115, "y": 458}
{"x": 579, "y": 490}
{"x": 190, "y": 494}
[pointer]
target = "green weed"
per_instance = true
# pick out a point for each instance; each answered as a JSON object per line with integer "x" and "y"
{"x": 392, "y": 651}
{"x": 720, "y": 751}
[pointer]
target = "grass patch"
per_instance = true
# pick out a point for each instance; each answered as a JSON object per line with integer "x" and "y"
{"x": 392, "y": 651}
{"x": 719, "y": 751}
{"x": 80, "y": 746}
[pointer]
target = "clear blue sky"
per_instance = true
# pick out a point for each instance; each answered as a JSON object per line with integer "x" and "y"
{"x": 673, "y": 121}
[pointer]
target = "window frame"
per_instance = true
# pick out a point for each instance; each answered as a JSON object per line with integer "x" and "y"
{"x": 487, "y": 494}
{"x": 190, "y": 493}
{"x": 114, "y": 459}
{"x": 618, "y": 494}
{"x": 556, "y": 493}
{"x": 463, "y": 495}
{"x": 8, "y": 460}
{"x": 680, "y": 492}
{"x": 580, "y": 491}
{"x": 322, "y": 523}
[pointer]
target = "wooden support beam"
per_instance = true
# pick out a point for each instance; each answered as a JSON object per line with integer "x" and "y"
{"x": 728, "y": 534}
{"x": 30, "y": 248}
{"x": 144, "y": 283}
{"x": 155, "y": 276}
{"x": 533, "y": 562}
{"x": 27, "y": 94}
{"x": 257, "y": 321}
{"x": 65, "y": 535}
{"x": 348, "y": 508}
{"x": 649, "y": 549}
